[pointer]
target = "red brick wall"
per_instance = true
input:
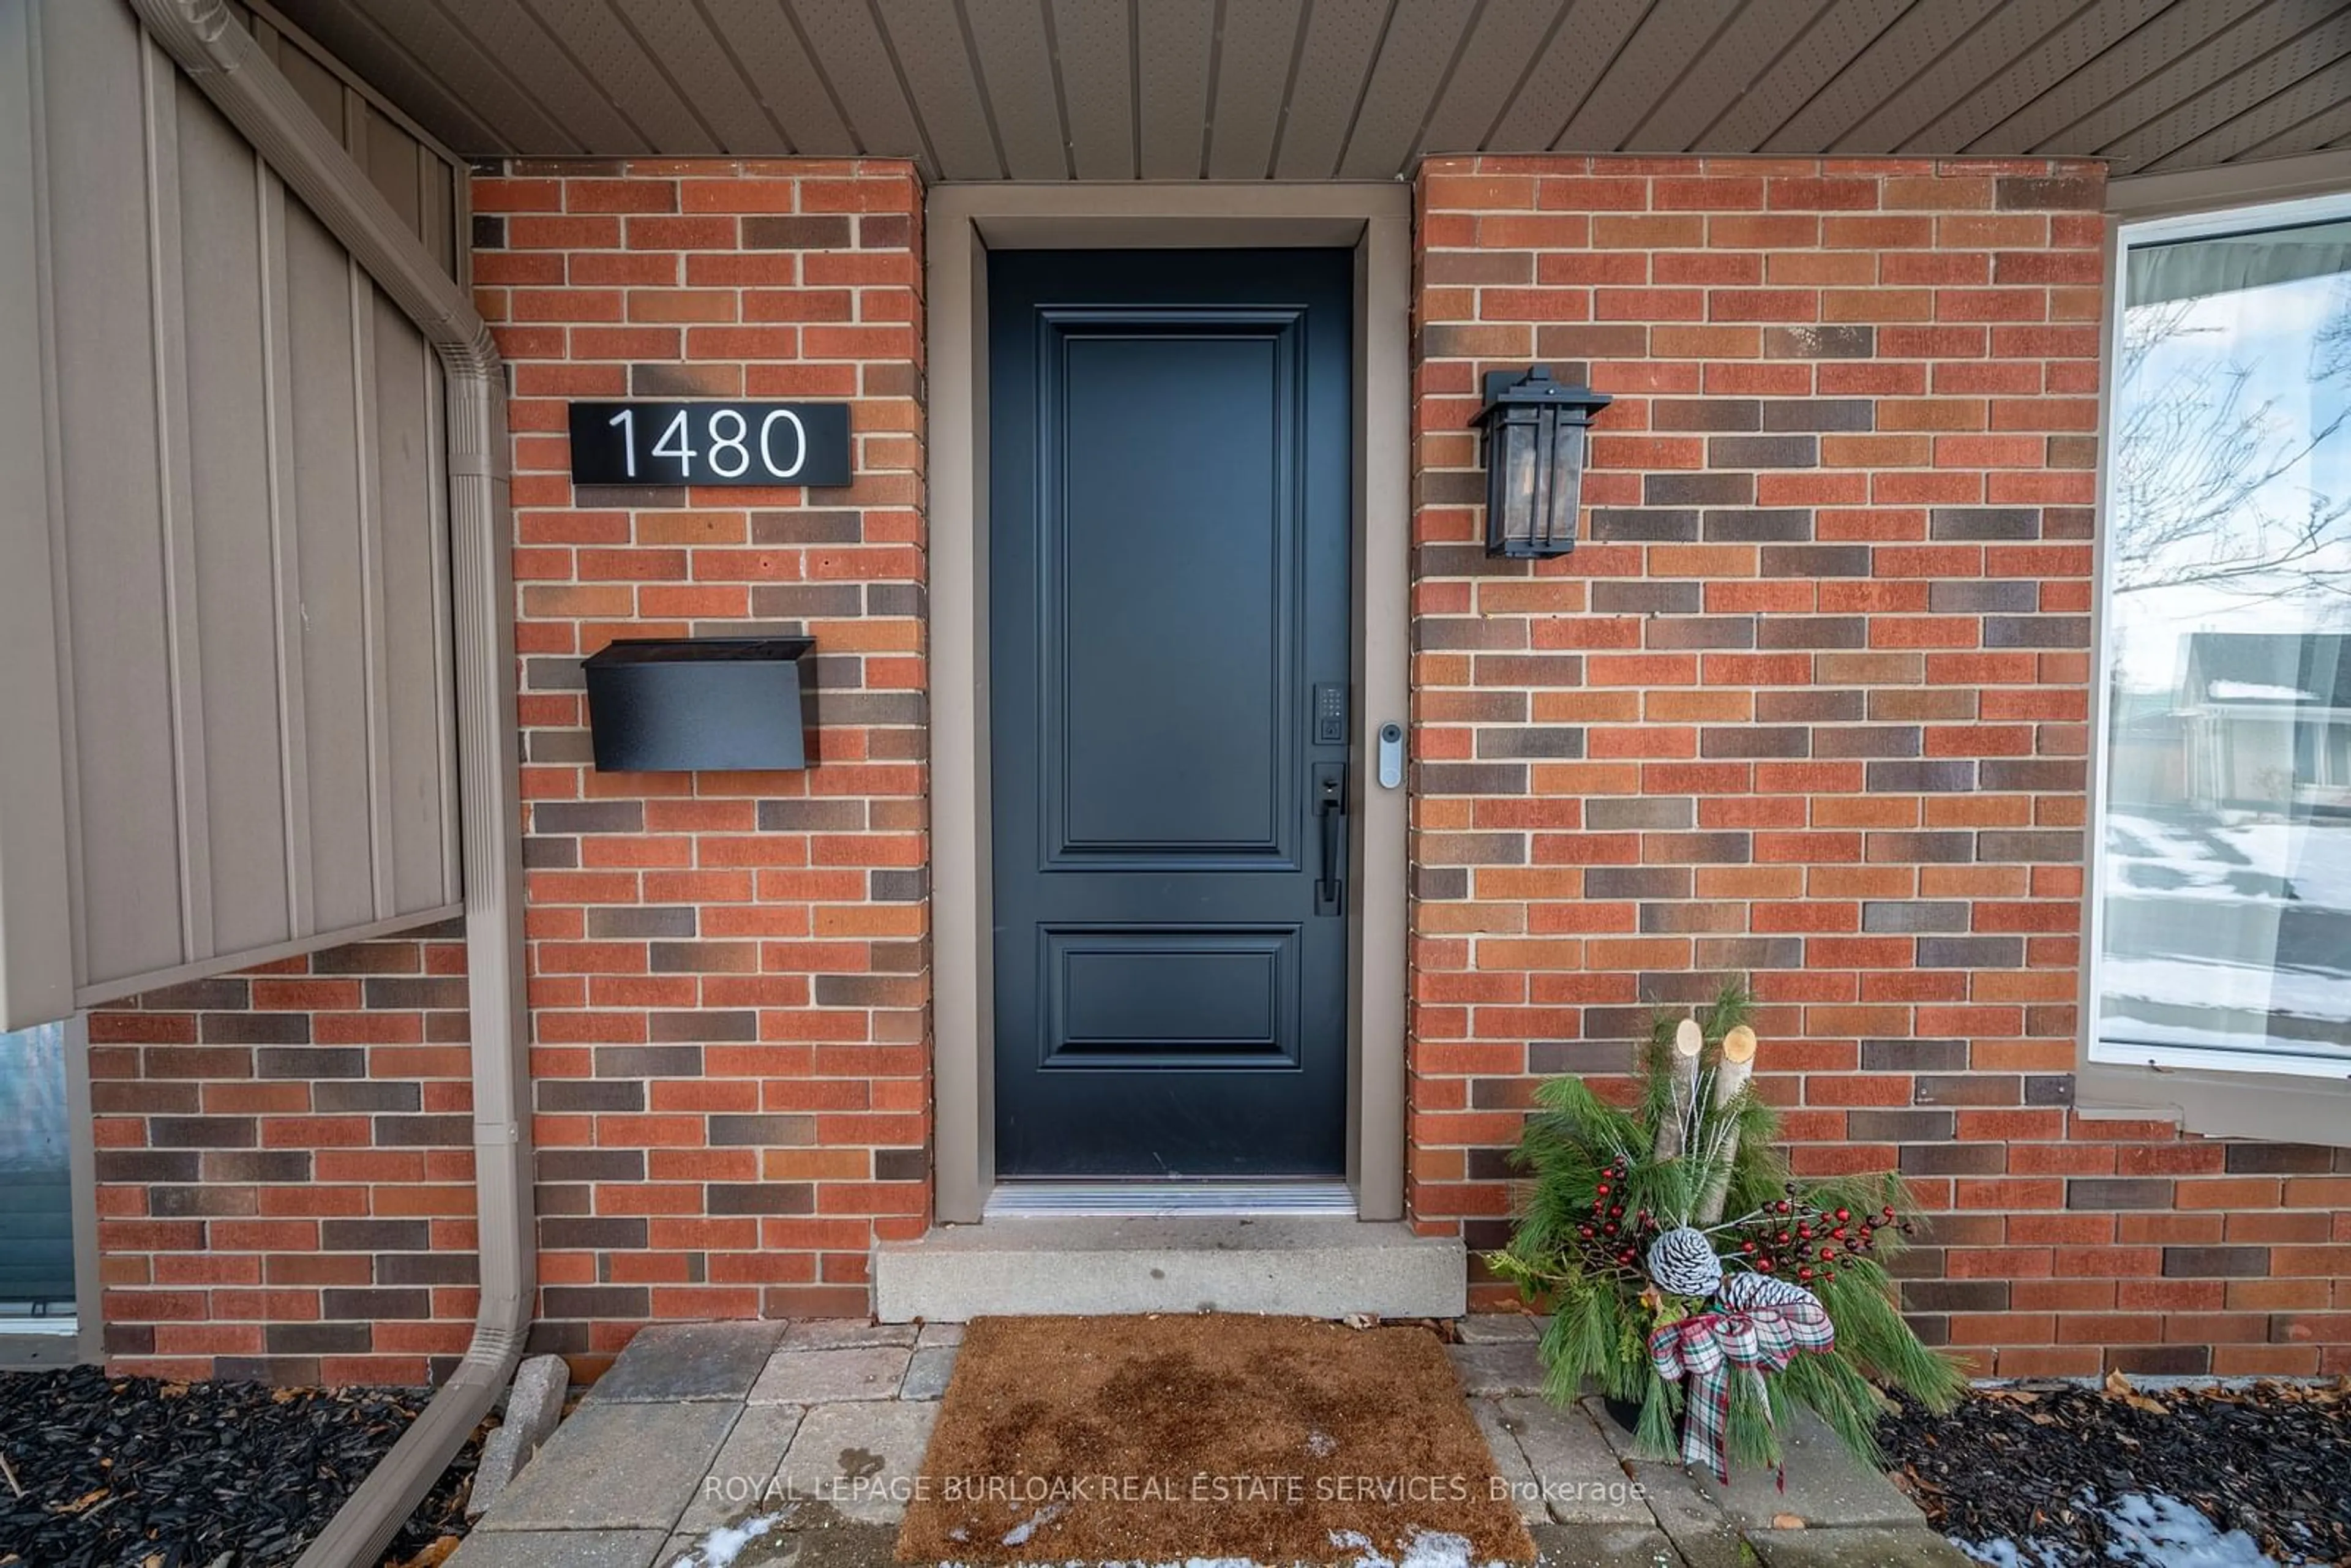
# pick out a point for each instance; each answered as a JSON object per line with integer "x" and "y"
{"x": 1810, "y": 702}
{"x": 730, "y": 974}
{"x": 286, "y": 1167}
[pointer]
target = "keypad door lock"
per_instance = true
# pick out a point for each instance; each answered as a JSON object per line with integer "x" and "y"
{"x": 1331, "y": 713}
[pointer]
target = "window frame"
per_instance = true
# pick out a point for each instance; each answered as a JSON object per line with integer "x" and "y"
{"x": 22, "y": 1346}
{"x": 2227, "y": 1092}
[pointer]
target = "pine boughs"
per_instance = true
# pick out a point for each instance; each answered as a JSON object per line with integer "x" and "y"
{"x": 1598, "y": 1198}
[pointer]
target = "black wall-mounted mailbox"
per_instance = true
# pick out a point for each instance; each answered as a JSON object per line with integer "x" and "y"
{"x": 663, "y": 705}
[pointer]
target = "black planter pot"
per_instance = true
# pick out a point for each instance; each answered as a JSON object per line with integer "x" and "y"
{"x": 1626, "y": 1413}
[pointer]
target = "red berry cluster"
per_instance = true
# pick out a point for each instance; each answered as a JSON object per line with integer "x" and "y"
{"x": 1800, "y": 1241}
{"x": 1612, "y": 1241}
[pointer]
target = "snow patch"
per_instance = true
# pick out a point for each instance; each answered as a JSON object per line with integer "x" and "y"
{"x": 1426, "y": 1549}
{"x": 1432, "y": 1549}
{"x": 1018, "y": 1534}
{"x": 2151, "y": 1530}
{"x": 2158, "y": 1529}
{"x": 720, "y": 1547}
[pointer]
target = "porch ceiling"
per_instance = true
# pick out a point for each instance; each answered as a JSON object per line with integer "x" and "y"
{"x": 1316, "y": 89}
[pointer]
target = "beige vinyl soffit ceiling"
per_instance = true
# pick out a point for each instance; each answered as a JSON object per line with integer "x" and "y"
{"x": 1317, "y": 89}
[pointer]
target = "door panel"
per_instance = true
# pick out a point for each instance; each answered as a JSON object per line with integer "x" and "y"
{"x": 1169, "y": 648}
{"x": 1112, "y": 997}
{"x": 1168, "y": 583}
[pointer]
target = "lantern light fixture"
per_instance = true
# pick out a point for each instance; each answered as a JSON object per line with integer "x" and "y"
{"x": 1534, "y": 442}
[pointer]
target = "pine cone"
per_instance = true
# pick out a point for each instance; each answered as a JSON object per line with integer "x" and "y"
{"x": 1683, "y": 1263}
{"x": 1746, "y": 1292}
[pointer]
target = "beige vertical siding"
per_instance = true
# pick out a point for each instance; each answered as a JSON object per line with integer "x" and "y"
{"x": 238, "y": 499}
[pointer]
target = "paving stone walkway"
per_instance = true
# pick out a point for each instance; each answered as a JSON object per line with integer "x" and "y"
{"x": 796, "y": 1444}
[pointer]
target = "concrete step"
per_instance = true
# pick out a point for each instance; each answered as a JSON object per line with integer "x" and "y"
{"x": 1310, "y": 1266}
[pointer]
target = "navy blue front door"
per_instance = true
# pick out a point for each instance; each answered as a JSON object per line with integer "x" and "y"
{"x": 1169, "y": 598}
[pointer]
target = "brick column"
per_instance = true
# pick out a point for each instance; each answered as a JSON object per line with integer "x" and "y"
{"x": 729, "y": 971}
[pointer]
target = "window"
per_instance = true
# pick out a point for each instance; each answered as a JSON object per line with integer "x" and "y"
{"x": 37, "y": 1255}
{"x": 2221, "y": 926}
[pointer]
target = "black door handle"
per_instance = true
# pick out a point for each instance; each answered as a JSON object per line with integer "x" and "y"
{"x": 1331, "y": 815}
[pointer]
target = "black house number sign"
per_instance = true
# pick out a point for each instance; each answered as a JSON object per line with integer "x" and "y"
{"x": 710, "y": 444}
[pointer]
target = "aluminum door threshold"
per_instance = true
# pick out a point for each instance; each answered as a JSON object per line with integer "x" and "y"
{"x": 1040, "y": 1200}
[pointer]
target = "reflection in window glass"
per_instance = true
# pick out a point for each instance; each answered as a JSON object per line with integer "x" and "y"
{"x": 35, "y": 1190}
{"x": 2225, "y": 878}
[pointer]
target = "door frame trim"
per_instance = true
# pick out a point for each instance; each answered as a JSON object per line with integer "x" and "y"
{"x": 962, "y": 225}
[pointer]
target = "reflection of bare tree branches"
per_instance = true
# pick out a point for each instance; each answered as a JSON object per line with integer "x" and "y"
{"x": 2330, "y": 348}
{"x": 2196, "y": 465}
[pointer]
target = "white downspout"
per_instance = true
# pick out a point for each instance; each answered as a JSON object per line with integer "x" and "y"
{"x": 222, "y": 59}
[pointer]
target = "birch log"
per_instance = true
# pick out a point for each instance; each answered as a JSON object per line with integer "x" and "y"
{"x": 1690, "y": 1044}
{"x": 1738, "y": 1066}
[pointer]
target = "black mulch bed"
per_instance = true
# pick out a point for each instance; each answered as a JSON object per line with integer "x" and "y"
{"x": 130, "y": 1471}
{"x": 2038, "y": 1462}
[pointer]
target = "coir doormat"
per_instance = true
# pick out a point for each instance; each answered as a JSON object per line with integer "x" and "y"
{"x": 1159, "y": 1439}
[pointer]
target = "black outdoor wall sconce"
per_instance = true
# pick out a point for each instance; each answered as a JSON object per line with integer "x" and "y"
{"x": 661, "y": 705}
{"x": 1535, "y": 460}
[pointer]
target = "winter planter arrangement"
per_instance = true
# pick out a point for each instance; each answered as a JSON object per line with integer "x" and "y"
{"x": 1710, "y": 1326}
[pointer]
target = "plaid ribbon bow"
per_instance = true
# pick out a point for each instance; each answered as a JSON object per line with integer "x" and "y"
{"x": 1762, "y": 1325}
